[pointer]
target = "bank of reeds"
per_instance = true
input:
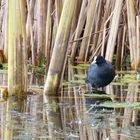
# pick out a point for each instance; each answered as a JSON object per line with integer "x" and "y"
{"x": 106, "y": 27}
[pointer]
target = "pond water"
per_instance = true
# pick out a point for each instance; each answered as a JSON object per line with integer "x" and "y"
{"x": 76, "y": 113}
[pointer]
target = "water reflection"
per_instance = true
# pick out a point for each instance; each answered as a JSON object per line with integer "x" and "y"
{"x": 75, "y": 114}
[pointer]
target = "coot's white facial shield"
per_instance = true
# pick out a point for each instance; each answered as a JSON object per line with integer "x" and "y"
{"x": 94, "y": 61}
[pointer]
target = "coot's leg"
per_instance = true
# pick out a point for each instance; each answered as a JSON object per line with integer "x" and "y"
{"x": 96, "y": 90}
{"x": 92, "y": 89}
{"x": 102, "y": 88}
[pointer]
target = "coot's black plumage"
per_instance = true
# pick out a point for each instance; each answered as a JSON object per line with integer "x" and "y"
{"x": 100, "y": 73}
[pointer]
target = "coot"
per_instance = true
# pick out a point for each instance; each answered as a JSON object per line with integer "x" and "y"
{"x": 100, "y": 72}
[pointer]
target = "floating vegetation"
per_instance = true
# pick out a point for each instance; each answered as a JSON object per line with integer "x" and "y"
{"x": 73, "y": 82}
{"x": 129, "y": 78}
{"x": 80, "y": 66}
{"x": 84, "y": 65}
{"x": 126, "y": 78}
{"x": 121, "y": 105}
{"x": 77, "y": 81}
{"x": 97, "y": 95}
{"x": 83, "y": 76}
{"x": 126, "y": 72}
{"x": 65, "y": 83}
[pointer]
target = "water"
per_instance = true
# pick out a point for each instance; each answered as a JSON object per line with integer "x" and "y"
{"x": 76, "y": 113}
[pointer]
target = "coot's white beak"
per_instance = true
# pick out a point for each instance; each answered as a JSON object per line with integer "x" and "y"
{"x": 94, "y": 61}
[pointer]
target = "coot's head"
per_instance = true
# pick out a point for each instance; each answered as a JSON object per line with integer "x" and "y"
{"x": 98, "y": 60}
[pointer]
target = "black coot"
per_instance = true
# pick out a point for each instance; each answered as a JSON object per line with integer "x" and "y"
{"x": 100, "y": 73}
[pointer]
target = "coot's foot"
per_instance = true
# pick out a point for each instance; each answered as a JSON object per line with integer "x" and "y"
{"x": 96, "y": 90}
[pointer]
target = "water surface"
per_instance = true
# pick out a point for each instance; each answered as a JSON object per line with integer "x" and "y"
{"x": 76, "y": 113}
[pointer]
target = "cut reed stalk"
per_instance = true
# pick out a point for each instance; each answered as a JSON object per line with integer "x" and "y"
{"x": 60, "y": 48}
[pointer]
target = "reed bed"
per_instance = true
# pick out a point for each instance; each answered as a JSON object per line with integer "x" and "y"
{"x": 96, "y": 28}
{"x": 104, "y": 27}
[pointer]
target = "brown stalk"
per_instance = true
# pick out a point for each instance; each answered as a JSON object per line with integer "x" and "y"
{"x": 113, "y": 31}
